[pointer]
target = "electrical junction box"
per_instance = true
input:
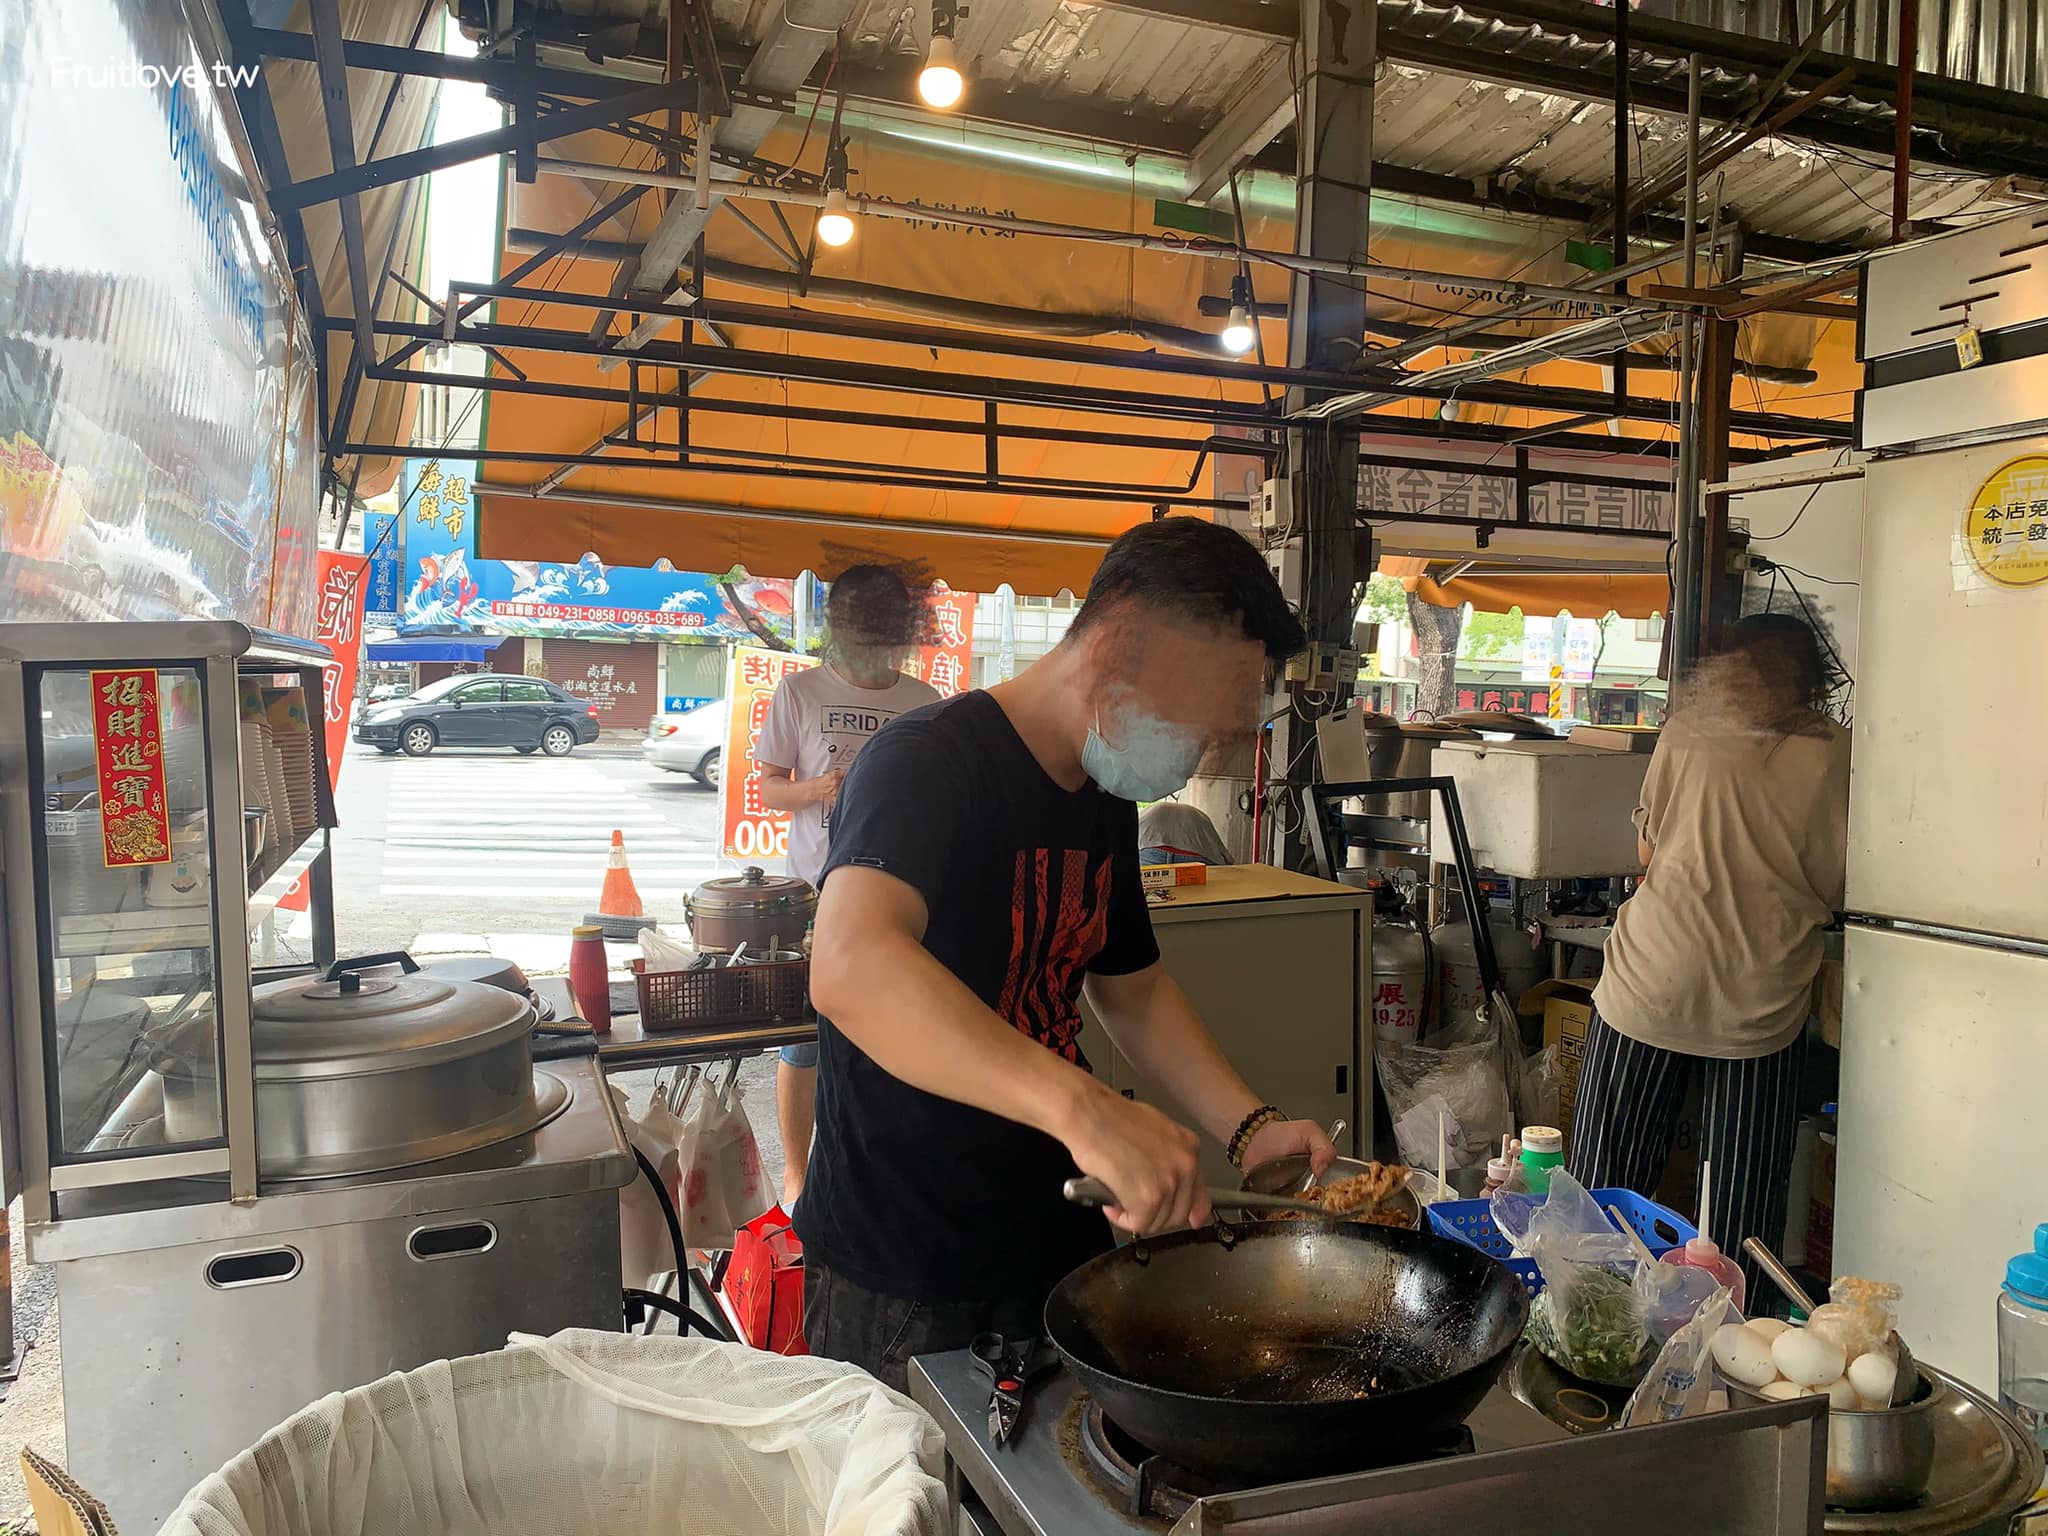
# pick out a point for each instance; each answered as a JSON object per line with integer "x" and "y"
{"x": 1274, "y": 508}
{"x": 1284, "y": 561}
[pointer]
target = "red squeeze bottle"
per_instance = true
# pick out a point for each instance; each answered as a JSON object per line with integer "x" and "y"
{"x": 589, "y": 977}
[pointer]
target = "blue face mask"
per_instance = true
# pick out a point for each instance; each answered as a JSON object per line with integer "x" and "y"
{"x": 1156, "y": 760}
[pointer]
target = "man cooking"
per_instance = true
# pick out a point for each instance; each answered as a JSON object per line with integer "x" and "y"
{"x": 817, "y": 723}
{"x": 983, "y": 872}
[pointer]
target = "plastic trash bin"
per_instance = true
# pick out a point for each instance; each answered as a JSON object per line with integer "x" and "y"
{"x": 591, "y": 1434}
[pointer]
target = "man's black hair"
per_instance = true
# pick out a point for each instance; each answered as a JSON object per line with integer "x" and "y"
{"x": 1198, "y": 572}
{"x": 872, "y": 604}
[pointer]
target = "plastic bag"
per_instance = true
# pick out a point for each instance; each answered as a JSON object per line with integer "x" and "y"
{"x": 706, "y": 1221}
{"x": 1592, "y": 1316}
{"x": 663, "y": 953}
{"x": 591, "y": 1432}
{"x": 1458, "y": 1073}
{"x": 1542, "y": 1082}
{"x": 1678, "y": 1383}
{"x": 645, "y": 1248}
{"x": 1859, "y": 1315}
{"x": 739, "y": 1156}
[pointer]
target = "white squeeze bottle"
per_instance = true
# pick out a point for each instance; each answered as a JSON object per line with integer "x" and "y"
{"x": 1704, "y": 1253}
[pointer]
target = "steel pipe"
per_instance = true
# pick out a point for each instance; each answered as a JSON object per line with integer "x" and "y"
{"x": 1210, "y": 249}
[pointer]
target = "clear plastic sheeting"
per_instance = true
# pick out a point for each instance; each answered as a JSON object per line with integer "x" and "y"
{"x": 591, "y": 1434}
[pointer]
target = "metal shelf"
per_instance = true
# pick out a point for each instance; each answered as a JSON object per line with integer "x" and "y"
{"x": 96, "y": 935}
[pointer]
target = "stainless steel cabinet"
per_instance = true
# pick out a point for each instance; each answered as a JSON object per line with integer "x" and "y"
{"x": 1279, "y": 966}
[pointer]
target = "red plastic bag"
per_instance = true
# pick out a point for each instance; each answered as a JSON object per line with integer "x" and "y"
{"x": 764, "y": 1284}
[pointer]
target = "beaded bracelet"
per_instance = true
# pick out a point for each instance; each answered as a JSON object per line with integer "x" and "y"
{"x": 1247, "y": 1128}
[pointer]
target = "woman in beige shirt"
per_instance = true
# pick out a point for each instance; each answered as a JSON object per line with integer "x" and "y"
{"x": 1743, "y": 828}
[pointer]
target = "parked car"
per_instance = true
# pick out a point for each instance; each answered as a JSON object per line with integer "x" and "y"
{"x": 486, "y": 709}
{"x": 691, "y": 743}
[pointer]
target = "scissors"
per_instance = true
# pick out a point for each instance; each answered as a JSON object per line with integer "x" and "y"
{"x": 1010, "y": 1367}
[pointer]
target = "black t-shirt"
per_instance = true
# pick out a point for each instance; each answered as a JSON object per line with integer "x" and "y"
{"x": 1028, "y": 886}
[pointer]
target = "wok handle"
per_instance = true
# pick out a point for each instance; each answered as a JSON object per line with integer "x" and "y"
{"x": 1089, "y": 1191}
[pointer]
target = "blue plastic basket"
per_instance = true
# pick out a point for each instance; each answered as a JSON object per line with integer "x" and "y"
{"x": 1471, "y": 1221}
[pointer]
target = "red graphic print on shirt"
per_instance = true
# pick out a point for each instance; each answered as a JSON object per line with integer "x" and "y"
{"x": 1059, "y": 921}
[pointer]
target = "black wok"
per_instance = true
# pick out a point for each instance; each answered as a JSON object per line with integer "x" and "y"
{"x": 1284, "y": 1350}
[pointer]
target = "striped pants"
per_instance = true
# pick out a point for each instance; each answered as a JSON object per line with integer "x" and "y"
{"x": 1630, "y": 1098}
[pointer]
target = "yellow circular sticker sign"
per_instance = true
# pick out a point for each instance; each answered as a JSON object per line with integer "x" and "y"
{"x": 2007, "y": 524}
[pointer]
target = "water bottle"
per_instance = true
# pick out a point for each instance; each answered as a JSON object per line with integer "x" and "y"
{"x": 2023, "y": 1339}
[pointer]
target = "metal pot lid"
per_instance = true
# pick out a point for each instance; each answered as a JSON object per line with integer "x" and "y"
{"x": 487, "y": 970}
{"x": 310, "y": 1027}
{"x": 752, "y": 891}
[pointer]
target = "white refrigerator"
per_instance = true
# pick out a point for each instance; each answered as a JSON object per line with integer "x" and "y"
{"x": 1941, "y": 1175}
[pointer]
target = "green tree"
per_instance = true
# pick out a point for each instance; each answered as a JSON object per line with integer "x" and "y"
{"x": 1385, "y": 601}
{"x": 1494, "y": 634}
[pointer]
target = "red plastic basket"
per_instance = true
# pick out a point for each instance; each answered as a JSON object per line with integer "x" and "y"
{"x": 713, "y": 999}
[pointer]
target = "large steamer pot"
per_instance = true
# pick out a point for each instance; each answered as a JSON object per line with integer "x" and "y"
{"x": 754, "y": 908}
{"x": 362, "y": 1073}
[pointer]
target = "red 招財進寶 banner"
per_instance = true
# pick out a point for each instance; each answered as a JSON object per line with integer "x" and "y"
{"x": 128, "y": 750}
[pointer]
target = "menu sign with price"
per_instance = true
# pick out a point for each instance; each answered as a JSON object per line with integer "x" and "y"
{"x": 127, "y": 739}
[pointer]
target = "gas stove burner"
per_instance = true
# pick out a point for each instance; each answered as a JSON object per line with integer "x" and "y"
{"x": 1152, "y": 1486}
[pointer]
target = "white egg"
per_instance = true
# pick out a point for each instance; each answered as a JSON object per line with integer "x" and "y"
{"x": 1781, "y": 1391}
{"x": 1872, "y": 1376}
{"x": 1807, "y": 1358}
{"x": 1769, "y": 1327}
{"x": 1743, "y": 1355}
{"x": 1840, "y": 1394}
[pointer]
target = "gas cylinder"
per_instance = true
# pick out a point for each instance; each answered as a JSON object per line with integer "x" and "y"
{"x": 1460, "y": 992}
{"x": 1400, "y": 978}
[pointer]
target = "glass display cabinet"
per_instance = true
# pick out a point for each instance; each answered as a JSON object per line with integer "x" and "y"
{"x": 163, "y": 787}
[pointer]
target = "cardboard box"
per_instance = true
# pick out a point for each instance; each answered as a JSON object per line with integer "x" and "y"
{"x": 1165, "y": 877}
{"x": 1567, "y": 1013}
{"x": 1827, "y": 1001}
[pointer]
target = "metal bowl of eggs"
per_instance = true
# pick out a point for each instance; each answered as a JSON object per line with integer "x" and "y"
{"x": 1878, "y": 1458}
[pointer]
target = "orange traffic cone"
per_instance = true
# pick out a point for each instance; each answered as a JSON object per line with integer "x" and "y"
{"x": 619, "y": 898}
{"x": 619, "y": 911}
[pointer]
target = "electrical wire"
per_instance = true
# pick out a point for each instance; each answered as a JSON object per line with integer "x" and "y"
{"x": 1765, "y": 538}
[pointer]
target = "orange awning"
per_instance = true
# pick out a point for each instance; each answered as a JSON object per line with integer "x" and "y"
{"x": 1588, "y": 596}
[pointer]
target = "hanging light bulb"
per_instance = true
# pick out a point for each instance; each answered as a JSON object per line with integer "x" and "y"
{"x": 1239, "y": 333}
{"x": 941, "y": 80}
{"x": 835, "y": 219}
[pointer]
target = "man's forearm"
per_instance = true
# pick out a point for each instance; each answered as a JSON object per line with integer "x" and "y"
{"x": 1159, "y": 1033}
{"x": 782, "y": 792}
{"x": 920, "y": 1023}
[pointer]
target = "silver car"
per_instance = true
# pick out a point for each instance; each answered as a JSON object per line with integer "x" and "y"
{"x": 689, "y": 743}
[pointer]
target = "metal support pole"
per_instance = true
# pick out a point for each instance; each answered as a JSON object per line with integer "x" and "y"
{"x": 1683, "y": 619}
{"x": 1623, "y": 126}
{"x": 1902, "y": 117}
{"x": 1710, "y": 460}
{"x": 1326, "y": 330}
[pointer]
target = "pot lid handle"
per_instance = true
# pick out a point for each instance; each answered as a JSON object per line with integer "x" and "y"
{"x": 754, "y": 874}
{"x": 339, "y": 971}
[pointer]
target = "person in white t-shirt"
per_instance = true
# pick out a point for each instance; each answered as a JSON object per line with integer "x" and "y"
{"x": 817, "y": 723}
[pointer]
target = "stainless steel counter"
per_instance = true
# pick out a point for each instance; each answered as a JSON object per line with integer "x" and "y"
{"x": 1757, "y": 1472}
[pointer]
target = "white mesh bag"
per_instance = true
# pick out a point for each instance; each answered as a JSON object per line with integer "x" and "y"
{"x": 591, "y": 1434}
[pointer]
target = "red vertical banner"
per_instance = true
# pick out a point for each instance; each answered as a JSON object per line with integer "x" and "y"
{"x": 128, "y": 747}
{"x": 946, "y": 659}
{"x": 338, "y": 624}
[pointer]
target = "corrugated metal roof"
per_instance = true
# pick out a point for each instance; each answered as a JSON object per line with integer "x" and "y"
{"x": 1471, "y": 129}
{"x": 2002, "y": 43}
{"x": 1056, "y": 53}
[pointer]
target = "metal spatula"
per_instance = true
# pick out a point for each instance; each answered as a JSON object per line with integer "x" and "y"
{"x": 1094, "y": 1192}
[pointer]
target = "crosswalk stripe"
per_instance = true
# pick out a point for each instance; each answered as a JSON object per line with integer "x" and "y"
{"x": 529, "y": 894}
{"x": 677, "y": 861}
